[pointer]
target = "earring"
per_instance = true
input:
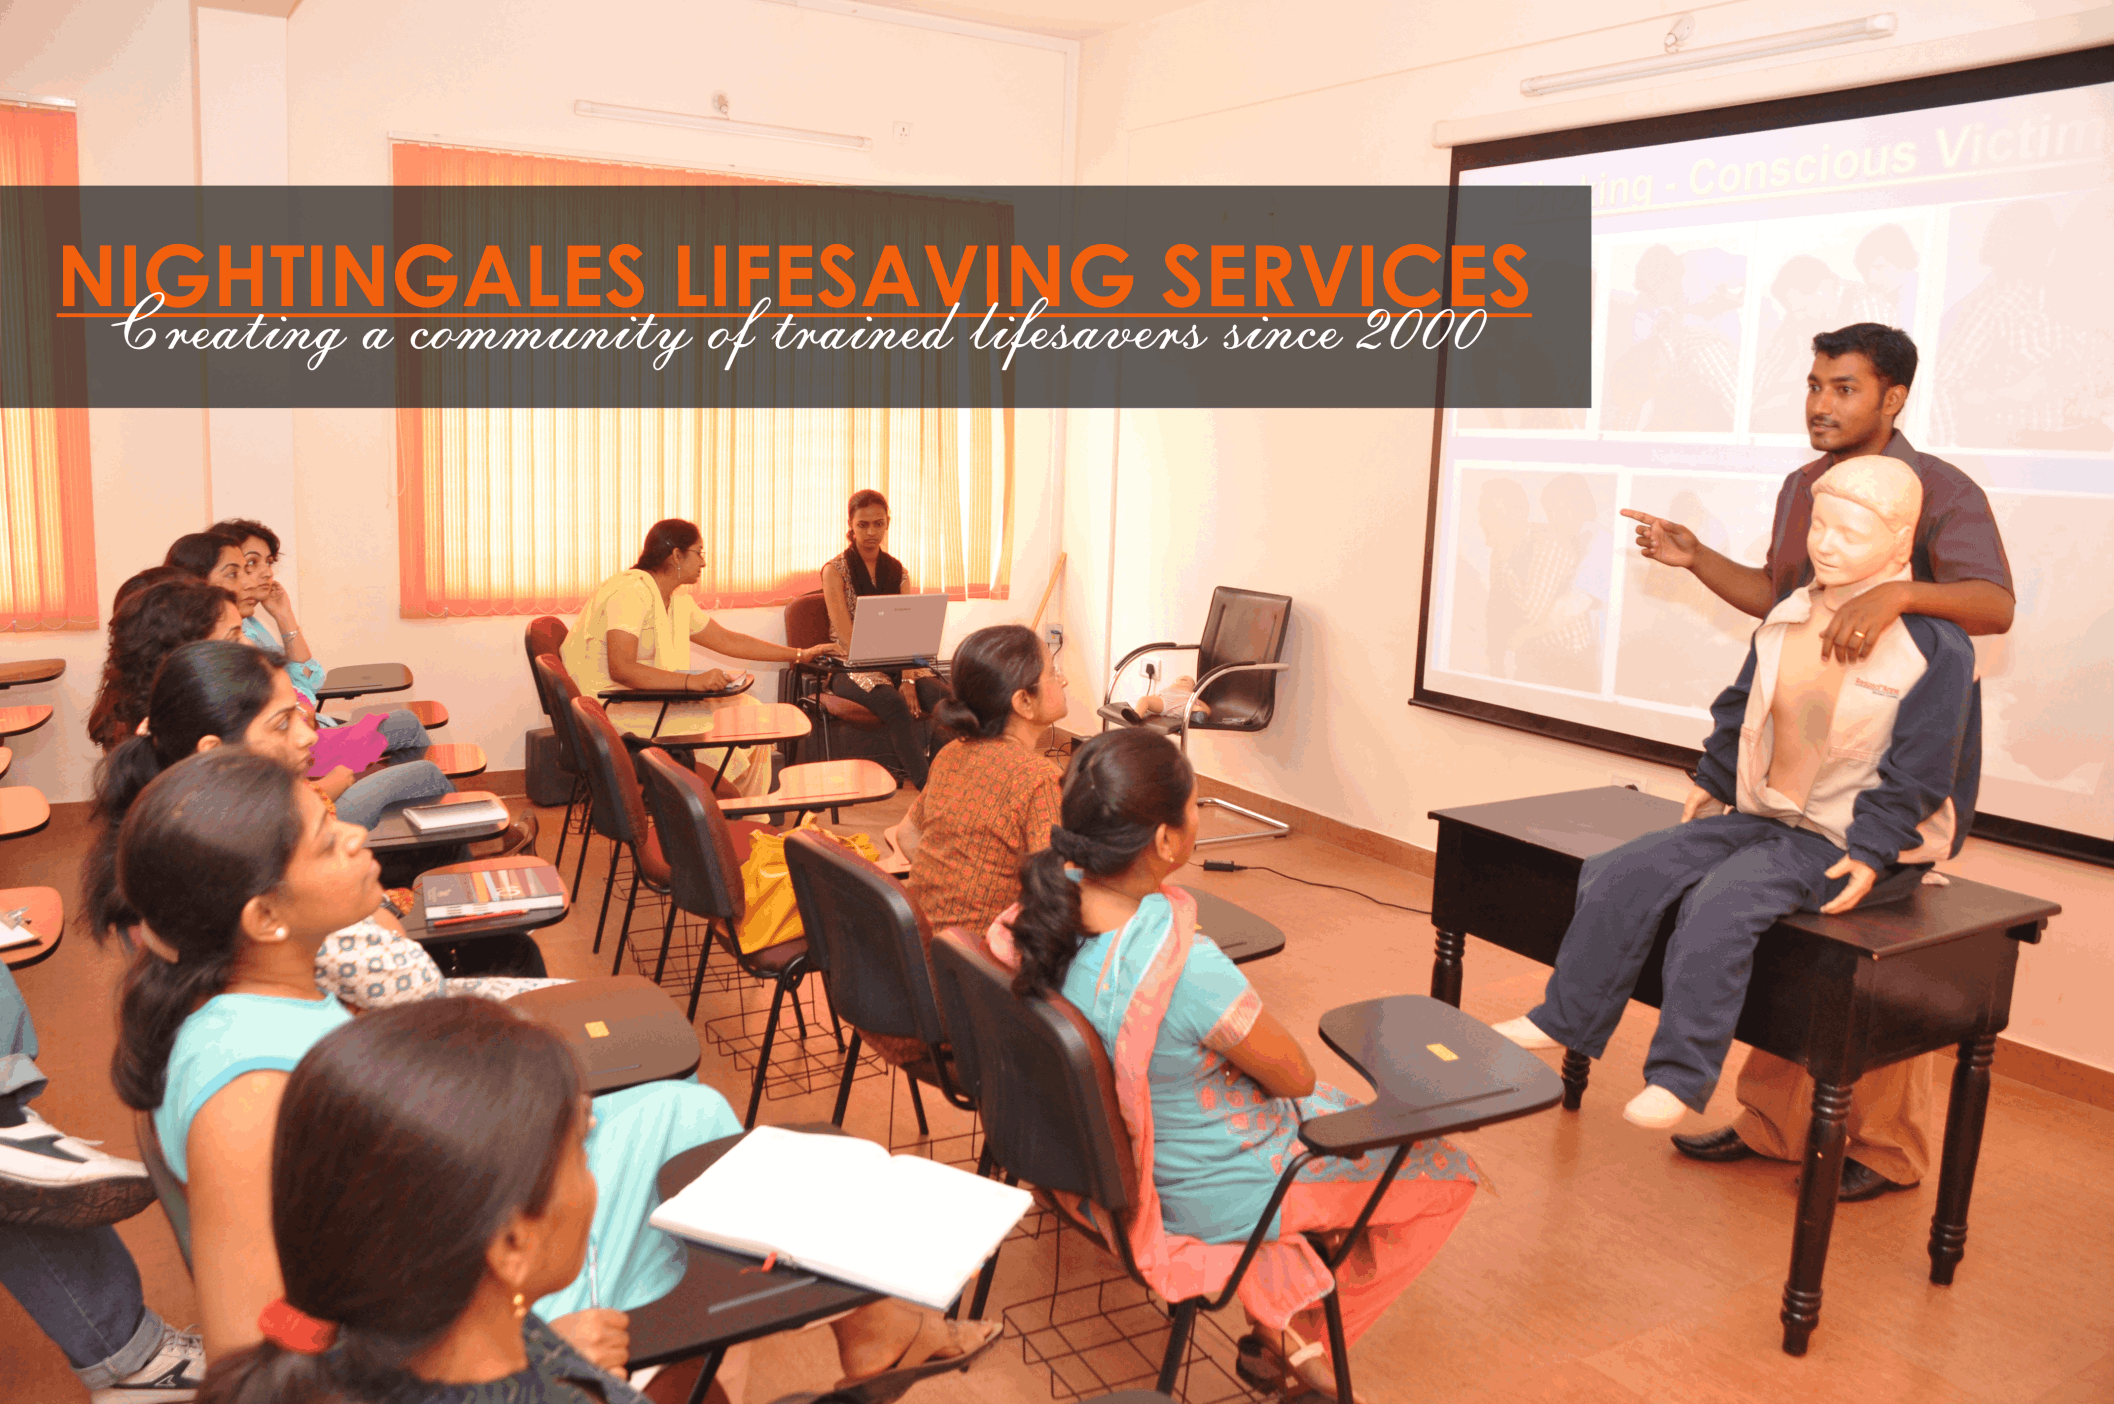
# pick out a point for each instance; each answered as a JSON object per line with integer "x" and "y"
{"x": 520, "y": 1307}
{"x": 282, "y": 933}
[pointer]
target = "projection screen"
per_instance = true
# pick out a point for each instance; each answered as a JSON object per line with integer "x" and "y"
{"x": 1976, "y": 212}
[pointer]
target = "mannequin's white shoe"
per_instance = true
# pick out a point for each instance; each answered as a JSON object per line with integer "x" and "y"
{"x": 1654, "y": 1107}
{"x": 1523, "y": 1032}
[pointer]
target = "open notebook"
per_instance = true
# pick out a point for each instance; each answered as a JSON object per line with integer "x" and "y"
{"x": 845, "y": 1208}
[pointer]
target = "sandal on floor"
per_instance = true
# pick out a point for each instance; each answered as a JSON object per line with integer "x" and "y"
{"x": 889, "y": 1384}
{"x": 1307, "y": 1370}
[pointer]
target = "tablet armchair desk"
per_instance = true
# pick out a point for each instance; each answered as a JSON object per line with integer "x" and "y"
{"x": 1840, "y": 995}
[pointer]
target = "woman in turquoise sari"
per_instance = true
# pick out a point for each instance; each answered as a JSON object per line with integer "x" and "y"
{"x": 1213, "y": 1088}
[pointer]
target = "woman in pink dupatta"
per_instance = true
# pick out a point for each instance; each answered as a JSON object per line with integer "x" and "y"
{"x": 1213, "y": 1089}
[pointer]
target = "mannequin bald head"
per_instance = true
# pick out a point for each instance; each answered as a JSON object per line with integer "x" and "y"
{"x": 1864, "y": 520}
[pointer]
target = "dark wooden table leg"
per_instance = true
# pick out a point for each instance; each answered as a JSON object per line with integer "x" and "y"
{"x": 1576, "y": 1068}
{"x": 1820, "y": 1181}
{"x": 1963, "y": 1149}
{"x": 1446, "y": 967}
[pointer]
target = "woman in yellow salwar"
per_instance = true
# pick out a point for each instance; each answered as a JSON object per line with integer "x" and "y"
{"x": 636, "y": 631}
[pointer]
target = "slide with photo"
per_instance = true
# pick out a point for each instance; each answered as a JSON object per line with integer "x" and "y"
{"x": 1982, "y": 228}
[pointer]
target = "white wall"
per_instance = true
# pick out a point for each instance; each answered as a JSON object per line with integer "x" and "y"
{"x": 1249, "y": 92}
{"x": 506, "y": 73}
{"x": 128, "y": 64}
{"x": 315, "y": 99}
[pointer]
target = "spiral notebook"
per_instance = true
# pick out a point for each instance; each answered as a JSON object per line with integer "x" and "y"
{"x": 845, "y": 1208}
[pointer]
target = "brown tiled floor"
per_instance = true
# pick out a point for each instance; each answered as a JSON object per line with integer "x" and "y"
{"x": 1600, "y": 1269}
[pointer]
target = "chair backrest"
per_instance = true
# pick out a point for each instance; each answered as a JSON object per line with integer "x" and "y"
{"x": 1244, "y": 626}
{"x": 871, "y": 939}
{"x": 806, "y": 620}
{"x": 167, "y": 1188}
{"x": 554, "y": 688}
{"x": 1041, "y": 1079}
{"x": 703, "y": 873}
{"x": 545, "y": 634}
{"x": 619, "y": 807}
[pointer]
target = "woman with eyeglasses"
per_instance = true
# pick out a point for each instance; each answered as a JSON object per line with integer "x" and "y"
{"x": 636, "y": 631}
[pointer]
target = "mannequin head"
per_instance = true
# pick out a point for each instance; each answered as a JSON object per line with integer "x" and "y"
{"x": 1864, "y": 520}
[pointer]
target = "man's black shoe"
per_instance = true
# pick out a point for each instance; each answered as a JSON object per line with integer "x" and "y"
{"x": 1861, "y": 1181}
{"x": 1719, "y": 1145}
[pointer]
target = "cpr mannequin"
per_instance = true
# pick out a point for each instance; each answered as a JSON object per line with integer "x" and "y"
{"x": 1820, "y": 783}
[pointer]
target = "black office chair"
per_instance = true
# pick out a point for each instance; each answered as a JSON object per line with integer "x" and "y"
{"x": 555, "y": 692}
{"x": 871, "y": 939}
{"x": 705, "y": 873}
{"x": 618, "y": 813}
{"x": 1237, "y": 664}
{"x": 1042, "y": 1079}
{"x": 175, "y": 1206}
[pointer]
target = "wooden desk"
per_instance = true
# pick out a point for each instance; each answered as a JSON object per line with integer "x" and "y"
{"x": 670, "y": 696}
{"x": 816, "y": 786}
{"x": 16, "y": 720}
{"x": 625, "y": 1029}
{"x": 363, "y": 679}
{"x": 1840, "y": 995}
{"x": 394, "y": 834}
{"x": 23, "y": 810}
{"x": 722, "y": 1299}
{"x": 30, "y": 670}
{"x": 46, "y": 917}
{"x": 431, "y": 715}
{"x": 1240, "y": 933}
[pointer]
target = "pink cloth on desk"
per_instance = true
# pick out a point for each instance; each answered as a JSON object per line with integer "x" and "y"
{"x": 355, "y": 745}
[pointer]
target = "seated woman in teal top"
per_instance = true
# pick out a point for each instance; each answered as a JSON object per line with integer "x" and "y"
{"x": 240, "y": 871}
{"x": 423, "y": 1298}
{"x": 1213, "y": 1088}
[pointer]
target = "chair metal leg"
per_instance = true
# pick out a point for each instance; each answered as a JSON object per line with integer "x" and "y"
{"x": 704, "y": 954}
{"x": 800, "y": 1014}
{"x": 631, "y": 901}
{"x": 609, "y": 885}
{"x": 713, "y": 1359}
{"x": 851, "y": 1064}
{"x": 587, "y": 835}
{"x": 917, "y": 1104}
{"x": 763, "y": 1057}
{"x": 1339, "y": 1349}
{"x": 1178, "y": 1344}
{"x": 668, "y": 935}
{"x": 1271, "y": 828}
{"x": 572, "y": 802}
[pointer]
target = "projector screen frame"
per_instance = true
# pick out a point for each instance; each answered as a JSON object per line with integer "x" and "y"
{"x": 2077, "y": 68}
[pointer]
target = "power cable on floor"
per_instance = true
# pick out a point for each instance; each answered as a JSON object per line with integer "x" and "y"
{"x": 1226, "y": 865}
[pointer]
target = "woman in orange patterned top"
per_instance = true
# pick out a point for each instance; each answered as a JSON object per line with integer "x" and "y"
{"x": 991, "y": 798}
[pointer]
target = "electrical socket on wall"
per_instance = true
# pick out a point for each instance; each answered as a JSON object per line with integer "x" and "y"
{"x": 902, "y": 131}
{"x": 1054, "y": 637}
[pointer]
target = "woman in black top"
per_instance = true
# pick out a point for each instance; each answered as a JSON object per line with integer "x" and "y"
{"x": 903, "y": 698}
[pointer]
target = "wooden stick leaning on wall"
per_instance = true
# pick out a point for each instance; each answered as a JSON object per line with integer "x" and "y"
{"x": 1056, "y": 570}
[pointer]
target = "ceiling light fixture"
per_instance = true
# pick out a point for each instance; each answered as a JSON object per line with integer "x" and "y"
{"x": 697, "y": 121}
{"x": 1870, "y": 27}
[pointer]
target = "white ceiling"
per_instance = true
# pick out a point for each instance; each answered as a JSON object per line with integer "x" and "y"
{"x": 1074, "y": 19}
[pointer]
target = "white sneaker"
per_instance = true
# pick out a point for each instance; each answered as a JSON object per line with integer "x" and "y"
{"x": 55, "y": 1180}
{"x": 175, "y": 1373}
{"x": 1654, "y": 1107}
{"x": 1523, "y": 1032}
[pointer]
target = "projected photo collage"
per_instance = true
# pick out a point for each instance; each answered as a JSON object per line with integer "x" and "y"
{"x": 1980, "y": 230}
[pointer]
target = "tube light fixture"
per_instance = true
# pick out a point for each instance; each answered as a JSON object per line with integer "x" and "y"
{"x": 698, "y": 121}
{"x": 1870, "y": 27}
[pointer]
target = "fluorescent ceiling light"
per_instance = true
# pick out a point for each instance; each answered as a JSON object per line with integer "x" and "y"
{"x": 698, "y": 121}
{"x": 1870, "y": 27}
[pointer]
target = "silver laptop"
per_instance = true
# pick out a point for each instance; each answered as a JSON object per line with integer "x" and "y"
{"x": 891, "y": 628}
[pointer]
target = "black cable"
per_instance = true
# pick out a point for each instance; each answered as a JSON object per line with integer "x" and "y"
{"x": 1226, "y": 865}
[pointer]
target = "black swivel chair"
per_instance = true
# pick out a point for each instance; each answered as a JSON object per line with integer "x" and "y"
{"x": 1237, "y": 664}
{"x": 872, "y": 939}
{"x": 175, "y": 1205}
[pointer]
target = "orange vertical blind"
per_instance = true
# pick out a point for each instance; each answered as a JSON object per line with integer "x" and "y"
{"x": 525, "y": 510}
{"x": 47, "y": 527}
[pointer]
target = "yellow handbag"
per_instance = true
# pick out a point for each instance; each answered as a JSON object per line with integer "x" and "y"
{"x": 770, "y": 916}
